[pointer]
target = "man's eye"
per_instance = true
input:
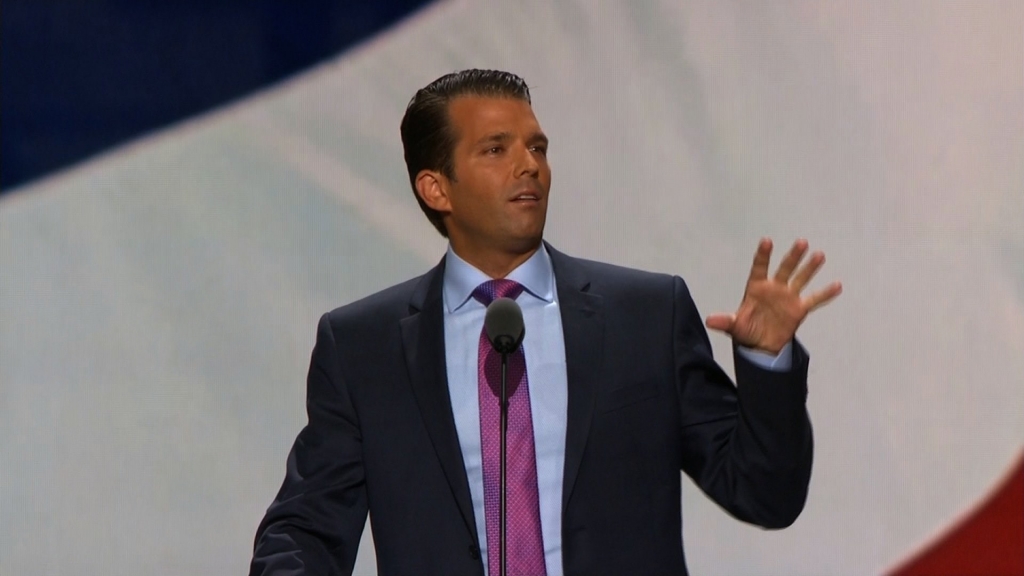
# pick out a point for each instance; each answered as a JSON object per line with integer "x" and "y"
{"x": 541, "y": 149}
{"x": 494, "y": 150}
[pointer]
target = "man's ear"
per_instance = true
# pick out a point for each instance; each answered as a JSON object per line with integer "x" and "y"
{"x": 432, "y": 188}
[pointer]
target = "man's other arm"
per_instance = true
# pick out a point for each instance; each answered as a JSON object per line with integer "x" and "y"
{"x": 748, "y": 447}
{"x": 315, "y": 523}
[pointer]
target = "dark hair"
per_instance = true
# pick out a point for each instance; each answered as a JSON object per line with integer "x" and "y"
{"x": 427, "y": 134}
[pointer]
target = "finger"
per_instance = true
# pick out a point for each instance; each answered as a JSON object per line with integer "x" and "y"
{"x": 790, "y": 261}
{"x": 759, "y": 270}
{"x": 804, "y": 275}
{"x": 721, "y": 322}
{"x": 823, "y": 296}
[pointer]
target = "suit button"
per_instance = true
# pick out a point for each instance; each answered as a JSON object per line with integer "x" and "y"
{"x": 474, "y": 552}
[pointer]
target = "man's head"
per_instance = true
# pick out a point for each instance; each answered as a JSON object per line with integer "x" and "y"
{"x": 477, "y": 158}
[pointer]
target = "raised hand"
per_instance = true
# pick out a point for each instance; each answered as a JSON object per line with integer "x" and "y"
{"x": 772, "y": 308}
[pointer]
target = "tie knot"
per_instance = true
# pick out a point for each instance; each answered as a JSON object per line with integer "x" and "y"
{"x": 493, "y": 289}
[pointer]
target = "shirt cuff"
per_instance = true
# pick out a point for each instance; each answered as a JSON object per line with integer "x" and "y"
{"x": 782, "y": 362}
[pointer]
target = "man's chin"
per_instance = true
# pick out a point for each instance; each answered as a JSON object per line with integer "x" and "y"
{"x": 525, "y": 241}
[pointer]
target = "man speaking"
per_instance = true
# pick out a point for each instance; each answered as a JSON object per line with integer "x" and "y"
{"x": 613, "y": 391}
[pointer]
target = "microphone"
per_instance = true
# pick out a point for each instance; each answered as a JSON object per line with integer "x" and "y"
{"x": 504, "y": 325}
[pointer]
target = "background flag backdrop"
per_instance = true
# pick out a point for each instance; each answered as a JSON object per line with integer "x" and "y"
{"x": 158, "y": 300}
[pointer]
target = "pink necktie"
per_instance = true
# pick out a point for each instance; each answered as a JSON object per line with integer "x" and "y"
{"x": 525, "y": 543}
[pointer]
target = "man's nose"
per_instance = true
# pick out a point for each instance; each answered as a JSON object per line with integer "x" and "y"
{"x": 527, "y": 164}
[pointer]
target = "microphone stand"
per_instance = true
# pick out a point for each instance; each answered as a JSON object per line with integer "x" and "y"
{"x": 503, "y": 505}
{"x": 503, "y": 321}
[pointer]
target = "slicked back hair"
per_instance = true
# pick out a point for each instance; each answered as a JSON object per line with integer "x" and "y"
{"x": 427, "y": 134}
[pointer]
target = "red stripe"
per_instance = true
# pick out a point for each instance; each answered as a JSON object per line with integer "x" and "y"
{"x": 990, "y": 542}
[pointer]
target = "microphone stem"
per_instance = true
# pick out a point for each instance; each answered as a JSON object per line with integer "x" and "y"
{"x": 503, "y": 504}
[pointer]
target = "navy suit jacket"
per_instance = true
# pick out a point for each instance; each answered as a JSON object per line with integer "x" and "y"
{"x": 646, "y": 400}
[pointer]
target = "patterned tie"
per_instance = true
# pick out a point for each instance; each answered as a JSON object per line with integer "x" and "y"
{"x": 525, "y": 544}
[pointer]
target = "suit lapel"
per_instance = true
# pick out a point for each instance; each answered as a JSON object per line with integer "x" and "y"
{"x": 423, "y": 342}
{"x": 583, "y": 329}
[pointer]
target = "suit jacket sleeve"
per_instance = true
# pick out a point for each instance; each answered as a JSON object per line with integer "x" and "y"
{"x": 314, "y": 524}
{"x": 749, "y": 446}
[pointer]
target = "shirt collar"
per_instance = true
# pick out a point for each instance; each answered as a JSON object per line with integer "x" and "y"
{"x": 461, "y": 278}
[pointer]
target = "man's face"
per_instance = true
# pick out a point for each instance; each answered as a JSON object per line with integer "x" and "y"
{"x": 498, "y": 199}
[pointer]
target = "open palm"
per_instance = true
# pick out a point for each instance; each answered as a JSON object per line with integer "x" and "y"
{"x": 772, "y": 308}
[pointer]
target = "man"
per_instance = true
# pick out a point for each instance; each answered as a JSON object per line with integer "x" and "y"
{"x": 612, "y": 394}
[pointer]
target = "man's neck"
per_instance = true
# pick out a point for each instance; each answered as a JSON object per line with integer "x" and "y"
{"x": 494, "y": 263}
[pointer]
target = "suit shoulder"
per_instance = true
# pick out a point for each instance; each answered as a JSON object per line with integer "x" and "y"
{"x": 614, "y": 275}
{"x": 630, "y": 284}
{"x": 391, "y": 302}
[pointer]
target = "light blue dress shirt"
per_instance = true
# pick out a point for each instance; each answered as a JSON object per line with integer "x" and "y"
{"x": 544, "y": 348}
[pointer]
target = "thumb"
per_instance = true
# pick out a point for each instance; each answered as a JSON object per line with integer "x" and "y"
{"x": 721, "y": 322}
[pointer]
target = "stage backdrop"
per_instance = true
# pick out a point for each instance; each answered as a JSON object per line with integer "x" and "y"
{"x": 158, "y": 303}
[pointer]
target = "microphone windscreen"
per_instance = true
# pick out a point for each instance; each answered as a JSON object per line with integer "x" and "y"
{"x": 504, "y": 325}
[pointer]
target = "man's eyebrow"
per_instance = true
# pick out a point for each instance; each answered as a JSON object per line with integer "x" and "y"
{"x": 497, "y": 137}
{"x": 503, "y": 137}
{"x": 538, "y": 137}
